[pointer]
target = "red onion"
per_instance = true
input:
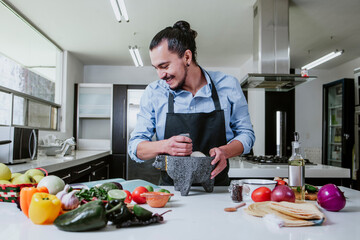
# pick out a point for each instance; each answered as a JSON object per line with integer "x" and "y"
{"x": 331, "y": 198}
{"x": 282, "y": 193}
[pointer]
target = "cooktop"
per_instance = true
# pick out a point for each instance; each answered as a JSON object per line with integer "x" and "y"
{"x": 271, "y": 160}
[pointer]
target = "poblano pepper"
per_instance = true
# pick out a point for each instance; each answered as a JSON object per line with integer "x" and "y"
{"x": 117, "y": 212}
{"x": 89, "y": 216}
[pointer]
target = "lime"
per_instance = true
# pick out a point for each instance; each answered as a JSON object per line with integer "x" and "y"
{"x": 116, "y": 194}
{"x": 149, "y": 188}
{"x": 165, "y": 191}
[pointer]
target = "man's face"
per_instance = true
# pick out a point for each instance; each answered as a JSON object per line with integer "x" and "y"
{"x": 169, "y": 66}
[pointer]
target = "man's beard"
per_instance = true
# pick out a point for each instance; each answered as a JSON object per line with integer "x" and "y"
{"x": 182, "y": 81}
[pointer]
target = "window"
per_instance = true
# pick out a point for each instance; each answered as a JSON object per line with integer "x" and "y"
{"x": 30, "y": 74}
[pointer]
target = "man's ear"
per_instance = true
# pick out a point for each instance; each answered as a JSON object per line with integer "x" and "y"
{"x": 187, "y": 57}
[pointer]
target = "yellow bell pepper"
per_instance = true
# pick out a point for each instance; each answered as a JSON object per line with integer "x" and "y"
{"x": 44, "y": 208}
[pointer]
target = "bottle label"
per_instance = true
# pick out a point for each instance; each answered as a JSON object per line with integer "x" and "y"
{"x": 296, "y": 175}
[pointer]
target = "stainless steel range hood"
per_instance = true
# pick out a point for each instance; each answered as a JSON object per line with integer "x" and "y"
{"x": 271, "y": 50}
{"x": 273, "y": 82}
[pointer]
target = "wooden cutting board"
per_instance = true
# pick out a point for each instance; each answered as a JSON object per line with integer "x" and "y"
{"x": 308, "y": 196}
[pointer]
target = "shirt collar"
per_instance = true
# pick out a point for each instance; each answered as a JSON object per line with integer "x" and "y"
{"x": 203, "y": 92}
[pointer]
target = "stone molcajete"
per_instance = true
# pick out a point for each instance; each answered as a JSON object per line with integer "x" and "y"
{"x": 187, "y": 170}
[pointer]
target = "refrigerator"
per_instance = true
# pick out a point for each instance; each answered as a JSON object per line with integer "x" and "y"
{"x": 338, "y": 123}
{"x": 136, "y": 170}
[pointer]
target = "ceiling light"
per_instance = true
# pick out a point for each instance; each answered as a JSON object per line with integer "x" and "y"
{"x": 135, "y": 55}
{"x": 119, "y": 9}
{"x": 323, "y": 59}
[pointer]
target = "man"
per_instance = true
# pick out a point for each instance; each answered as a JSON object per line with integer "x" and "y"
{"x": 210, "y": 106}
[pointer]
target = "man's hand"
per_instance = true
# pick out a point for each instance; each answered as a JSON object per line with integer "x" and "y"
{"x": 220, "y": 158}
{"x": 178, "y": 146}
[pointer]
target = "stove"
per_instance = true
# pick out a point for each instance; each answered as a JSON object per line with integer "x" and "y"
{"x": 271, "y": 160}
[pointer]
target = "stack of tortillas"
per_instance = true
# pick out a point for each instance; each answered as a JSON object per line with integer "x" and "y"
{"x": 292, "y": 214}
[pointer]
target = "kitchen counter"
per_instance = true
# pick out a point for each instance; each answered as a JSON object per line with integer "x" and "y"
{"x": 243, "y": 169}
{"x": 238, "y": 167}
{"x": 53, "y": 163}
{"x": 197, "y": 216}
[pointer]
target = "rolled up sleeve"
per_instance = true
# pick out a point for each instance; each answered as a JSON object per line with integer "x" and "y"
{"x": 145, "y": 125}
{"x": 240, "y": 122}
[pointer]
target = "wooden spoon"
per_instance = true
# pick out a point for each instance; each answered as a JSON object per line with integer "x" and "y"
{"x": 234, "y": 209}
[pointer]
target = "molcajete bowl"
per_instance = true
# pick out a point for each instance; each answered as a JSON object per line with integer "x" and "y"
{"x": 186, "y": 171}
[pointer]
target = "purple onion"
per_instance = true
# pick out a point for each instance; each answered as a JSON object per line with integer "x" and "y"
{"x": 331, "y": 198}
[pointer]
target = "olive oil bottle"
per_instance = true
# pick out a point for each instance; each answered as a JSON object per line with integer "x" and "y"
{"x": 297, "y": 169}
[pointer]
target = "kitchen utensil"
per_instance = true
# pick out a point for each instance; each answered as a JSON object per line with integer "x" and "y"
{"x": 234, "y": 209}
{"x": 187, "y": 170}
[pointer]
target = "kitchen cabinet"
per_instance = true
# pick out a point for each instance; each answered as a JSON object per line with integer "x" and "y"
{"x": 93, "y": 116}
{"x": 100, "y": 121}
{"x": 91, "y": 171}
{"x": 119, "y": 163}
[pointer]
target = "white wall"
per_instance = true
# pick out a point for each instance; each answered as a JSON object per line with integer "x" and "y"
{"x": 143, "y": 75}
{"x": 73, "y": 72}
{"x": 308, "y": 103}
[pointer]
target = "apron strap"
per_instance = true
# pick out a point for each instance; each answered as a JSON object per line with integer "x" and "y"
{"x": 171, "y": 103}
{"x": 214, "y": 97}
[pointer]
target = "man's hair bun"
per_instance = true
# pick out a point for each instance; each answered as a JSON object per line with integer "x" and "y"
{"x": 185, "y": 27}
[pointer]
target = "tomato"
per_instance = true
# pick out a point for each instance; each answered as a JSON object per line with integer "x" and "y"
{"x": 281, "y": 182}
{"x": 261, "y": 194}
{"x": 128, "y": 198}
{"x": 136, "y": 195}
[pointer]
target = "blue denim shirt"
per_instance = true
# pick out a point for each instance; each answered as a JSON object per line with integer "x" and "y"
{"x": 154, "y": 106}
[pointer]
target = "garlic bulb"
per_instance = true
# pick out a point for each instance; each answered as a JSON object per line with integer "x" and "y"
{"x": 69, "y": 201}
{"x": 62, "y": 193}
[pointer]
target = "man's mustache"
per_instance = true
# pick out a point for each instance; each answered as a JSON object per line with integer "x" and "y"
{"x": 168, "y": 77}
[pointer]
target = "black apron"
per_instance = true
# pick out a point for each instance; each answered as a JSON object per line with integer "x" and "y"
{"x": 207, "y": 130}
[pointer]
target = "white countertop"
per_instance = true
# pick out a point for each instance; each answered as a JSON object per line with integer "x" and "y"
{"x": 52, "y": 164}
{"x": 238, "y": 167}
{"x": 244, "y": 169}
{"x": 197, "y": 216}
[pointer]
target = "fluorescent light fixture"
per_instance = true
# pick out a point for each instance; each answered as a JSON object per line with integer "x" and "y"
{"x": 119, "y": 10}
{"x": 135, "y": 55}
{"x": 138, "y": 57}
{"x": 123, "y": 9}
{"x": 323, "y": 59}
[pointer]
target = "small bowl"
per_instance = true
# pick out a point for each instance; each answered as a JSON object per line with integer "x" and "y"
{"x": 249, "y": 185}
{"x": 156, "y": 199}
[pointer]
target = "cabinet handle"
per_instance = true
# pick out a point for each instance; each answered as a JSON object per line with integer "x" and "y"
{"x": 65, "y": 177}
{"x": 124, "y": 111}
{"x": 98, "y": 164}
{"x": 81, "y": 171}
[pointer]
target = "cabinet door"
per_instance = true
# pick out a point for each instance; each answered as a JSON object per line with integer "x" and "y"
{"x": 93, "y": 116}
{"x": 118, "y": 166}
{"x": 119, "y": 119}
{"x": 100, "y": 173}
{"x": 64, "y": 174}
{"x": 81, "y": 173}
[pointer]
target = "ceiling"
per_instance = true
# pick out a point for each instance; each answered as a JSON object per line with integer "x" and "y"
{"x": 89, "y": 30}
